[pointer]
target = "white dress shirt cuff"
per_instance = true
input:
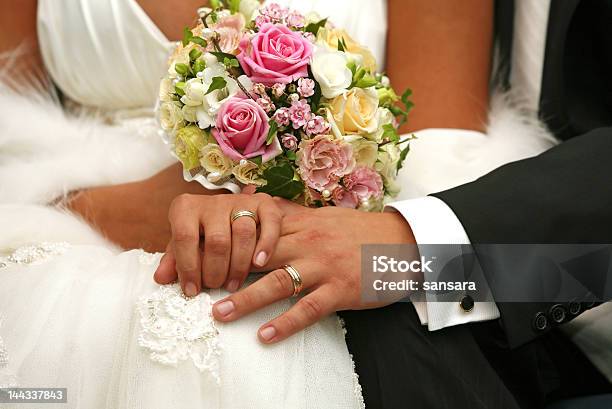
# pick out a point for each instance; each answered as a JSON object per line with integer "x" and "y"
{"x": 433, "y": 222}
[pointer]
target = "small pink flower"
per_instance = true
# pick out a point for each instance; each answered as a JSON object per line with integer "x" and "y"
{"x": 309, "y": 36}
{"x": 345, "y": 198}
{"x": 289, "y": 141}
{"x": 241, "y": 130}
{"x": 266, "y": 103}
{"x": 317, "y": 125}
{"x": 306, "y": 87}
{"x": 275, "y": 55}
{"x": 261, "y": 20}
{"x": 259, "y": 89}
{"x": 281, "y": 116}
{"x": 299, "y": 113}
{"x": 296, "y": 20}
{"x": 365, "y": 182}
{"x": 278, "y": 90}
{"x": 275, "y": 12}
{"x": 322, "y": 162}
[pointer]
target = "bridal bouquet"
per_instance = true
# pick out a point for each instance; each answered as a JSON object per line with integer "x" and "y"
{"x": 266, "y": 96}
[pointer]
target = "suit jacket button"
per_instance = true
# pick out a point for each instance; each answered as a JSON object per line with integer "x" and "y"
{"x": 540, "y": 322}
{"x": 467, "y": 303}
{"x": 574, "y": 308}
{"x": 557, "y": 313}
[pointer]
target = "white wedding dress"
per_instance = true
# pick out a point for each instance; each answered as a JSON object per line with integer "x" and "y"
{"x": 77, "y": 312}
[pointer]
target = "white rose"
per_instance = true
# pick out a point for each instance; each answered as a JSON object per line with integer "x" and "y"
{"x": 214, "y": 161}
{"x": 364, "y": 151}
{"x": 330, "y": 70}
{"x": 190, "y": 113}
{"x": 170, "y": 116}
{"x": 386, "y": 165}
{"x": 181, "y": 56}
{"x": 248, "y": 173}
{"x": 166, "y": 90}
{"x": 355, "y": 111}
{"x": 194, "y": 92}
{"x": 385, "y": 117}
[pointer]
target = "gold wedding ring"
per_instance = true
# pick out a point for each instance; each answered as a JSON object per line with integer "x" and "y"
{"x": 244, "y": 213}
{"x": 296, "y": 279}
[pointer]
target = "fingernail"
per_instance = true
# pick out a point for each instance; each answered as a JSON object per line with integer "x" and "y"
{"x": 261, "y": 258}
{"x": 191, "y": 290}
{"x": 232, "y": 286}
{"x": 225, "y": 308}
{"x": 267, "y": 333}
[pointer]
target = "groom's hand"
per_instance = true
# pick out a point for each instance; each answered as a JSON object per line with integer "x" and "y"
{"x": 324, "y": 246}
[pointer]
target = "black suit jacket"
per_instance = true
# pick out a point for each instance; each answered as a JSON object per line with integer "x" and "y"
{"x": 565, "y": 194}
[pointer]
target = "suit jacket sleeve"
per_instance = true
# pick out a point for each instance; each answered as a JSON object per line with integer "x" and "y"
{"x": 561, "y": 196}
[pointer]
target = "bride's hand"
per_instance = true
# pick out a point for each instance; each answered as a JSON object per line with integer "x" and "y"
{"x": 324, "y": 246}
{"x": 230, "y": 248}
{"x": 135, "y": 215}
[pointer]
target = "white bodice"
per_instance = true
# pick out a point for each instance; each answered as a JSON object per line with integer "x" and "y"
{"x": 102, "y": 53}
{"x": 109, "y": 53}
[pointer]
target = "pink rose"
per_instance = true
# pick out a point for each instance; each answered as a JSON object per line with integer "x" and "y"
{"x": 322, "y": 162}
{"x": 345, "y": 198}
{"x": 241, "y": 130}
{"x": 365, "y": 183}
{"x": 275, "y": 55}
{"x": 230, "y": 30}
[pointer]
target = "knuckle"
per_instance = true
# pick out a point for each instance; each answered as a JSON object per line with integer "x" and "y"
{"x": 243, "y": 231}
{"x": 217, "y": 243}
{"x": 183, "y": 236}
{"x": 213, "y": 280}
{"x": 312, "y": 308}
{"x": 282, "y": 282}
{"x": 289, "y": 324}
{"x": 182, "y": 201}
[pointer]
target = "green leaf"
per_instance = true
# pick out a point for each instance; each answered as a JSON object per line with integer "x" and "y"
{"x": 182, "y": 69}
{"x": 215, "y": 4}
{"x": 234, "y": 6}
{"x": 214, "y": 16}
{"x": 258, "y": 160}
{"x": 199, "y": 41}
{"x": 231, "y": 63}
{"x": 187, "y": 35}
{"x": 407, "y": 103}
{"x": 341, "y": 46}
{"x": 402, "y": 157}
{"x": 221, "y": 56}
{"x": 314, "y": 27}
{"x": 281, "y": 182}
{"x": 291, "y": 155}
{"x": 272, "y": 131}
{"x": 195, "y": 54}
{"x": 390, "y": 133}
{"x": 217, "y": 83}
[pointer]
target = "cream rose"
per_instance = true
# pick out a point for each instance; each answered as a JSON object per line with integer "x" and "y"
{"x": 170, "y": 116}
{"x": 166, "y": 90}
{"x": 214, "y": 161}
{"x": 355, "y": 111}
{"x": 364, "y": 151}
{"x": 331, "y": 72}
{"x": 386, "y": 165}
{"x": 385, "y": 117}
{"x": 248, "y": 173}
{"x": 359, "y": 53}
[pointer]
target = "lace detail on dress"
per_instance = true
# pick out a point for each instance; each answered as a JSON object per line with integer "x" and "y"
{"x": 34, "y": 254}
{"x": 176, "y": 328}
{"x": 357, "y": 386}
{"x": 7, "y": 379}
